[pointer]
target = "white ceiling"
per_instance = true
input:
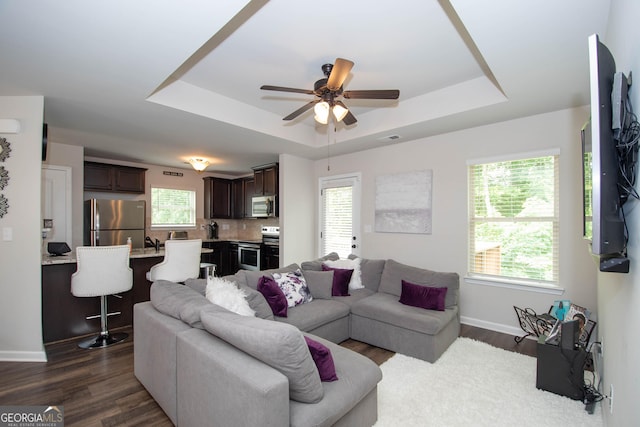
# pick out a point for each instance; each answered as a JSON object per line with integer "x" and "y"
{"x": 159, "y": 82}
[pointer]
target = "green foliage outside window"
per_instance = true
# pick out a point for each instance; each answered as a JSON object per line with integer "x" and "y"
{"x": 170, "y": 207}
{"x": 514, "y": 220}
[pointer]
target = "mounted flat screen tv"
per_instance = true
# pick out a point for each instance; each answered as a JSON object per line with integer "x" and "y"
{"x": 604, "y": 222}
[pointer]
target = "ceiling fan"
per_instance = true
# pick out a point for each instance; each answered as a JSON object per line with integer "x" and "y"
{"x": 329, "y": 89}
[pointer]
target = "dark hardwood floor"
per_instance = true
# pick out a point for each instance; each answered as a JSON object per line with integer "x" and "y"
{"x": 98, "y": 387}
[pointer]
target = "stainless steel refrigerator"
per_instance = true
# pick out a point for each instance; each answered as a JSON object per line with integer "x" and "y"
{"x": 111, "y": 222}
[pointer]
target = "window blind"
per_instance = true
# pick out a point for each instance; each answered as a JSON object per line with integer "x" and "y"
{"x": 513, "y": 219}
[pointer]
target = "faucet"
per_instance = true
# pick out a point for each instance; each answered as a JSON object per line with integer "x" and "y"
{"x": 157, "y": 245}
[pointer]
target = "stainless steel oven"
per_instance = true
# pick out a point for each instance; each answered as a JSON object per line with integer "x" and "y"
{"x": 249, "y": 256}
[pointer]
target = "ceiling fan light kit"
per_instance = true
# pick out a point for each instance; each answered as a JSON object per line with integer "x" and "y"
{"x": 328, "y": 90}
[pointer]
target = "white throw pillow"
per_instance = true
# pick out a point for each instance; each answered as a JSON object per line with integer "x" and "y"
{"x": 226, "y": 294}
{"x": 349, "y": 264}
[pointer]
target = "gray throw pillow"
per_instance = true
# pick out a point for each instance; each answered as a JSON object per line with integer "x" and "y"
{"x": 279, "y": 345}
{"x": 252, "y": 277}
{"x": 370, "y": 271}
{"x": 394, "y": 273}
{"x": 316, "y": 264}
{"x": 319, "y": 283}
{"x": 178, "y": 301}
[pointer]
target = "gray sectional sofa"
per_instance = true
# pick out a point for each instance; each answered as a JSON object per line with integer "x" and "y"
{"x": 201, "y": 376}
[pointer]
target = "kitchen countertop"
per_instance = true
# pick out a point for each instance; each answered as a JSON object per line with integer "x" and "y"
{"x": 135, "y": 253}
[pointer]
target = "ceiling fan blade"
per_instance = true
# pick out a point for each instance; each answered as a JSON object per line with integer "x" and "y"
{"x": 301, "y": 110}
{"x": 349, "y": 119}
{"x": 287, "y": 89}
{"x": 339, "y": 73}
{"x": 371, "y": 94}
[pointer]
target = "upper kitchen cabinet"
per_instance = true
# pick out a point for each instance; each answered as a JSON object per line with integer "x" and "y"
{"x": 113, "y": 178}
{"x": 266, "y": 180}
{"x": 217, "y": 198}
{"x": 242, "y": 192}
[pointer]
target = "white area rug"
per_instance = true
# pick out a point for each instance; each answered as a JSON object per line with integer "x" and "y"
{"x": 473, "y": 384}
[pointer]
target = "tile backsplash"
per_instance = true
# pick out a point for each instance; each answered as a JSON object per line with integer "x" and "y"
{"x": 228, "y": 229}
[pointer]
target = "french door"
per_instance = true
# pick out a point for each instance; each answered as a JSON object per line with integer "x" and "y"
{"x": 340, "y": 215}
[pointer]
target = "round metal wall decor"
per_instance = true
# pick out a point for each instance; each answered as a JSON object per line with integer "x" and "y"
{"x": 5, "y": 149}
{"x": 4, "y": 177}
{"x": 4, "y": 205}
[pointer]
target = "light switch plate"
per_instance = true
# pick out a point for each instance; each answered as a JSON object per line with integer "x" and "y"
{"x": 7, "y": 234}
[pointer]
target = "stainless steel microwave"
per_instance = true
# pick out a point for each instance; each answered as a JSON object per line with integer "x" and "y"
{"x": 263, "y": 206}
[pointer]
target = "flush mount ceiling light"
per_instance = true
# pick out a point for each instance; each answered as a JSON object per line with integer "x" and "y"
{"x": 199, "y": 164}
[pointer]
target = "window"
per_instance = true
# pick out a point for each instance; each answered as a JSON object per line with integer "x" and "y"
{"x": 339, "y": 213}
{"x": 173, "y": 208}
{"x": 513, "y": 220}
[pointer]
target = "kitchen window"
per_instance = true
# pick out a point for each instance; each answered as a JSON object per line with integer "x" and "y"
{"x": 173, "y": 207}
{"x": 513, "y": 221}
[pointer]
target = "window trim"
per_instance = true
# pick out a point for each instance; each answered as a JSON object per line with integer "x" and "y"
{"x": 174, "y": 226}
{"x": 539, "y": 286}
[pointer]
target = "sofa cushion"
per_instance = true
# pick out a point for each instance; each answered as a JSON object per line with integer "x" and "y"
{"x": 358, "y": 376}
{"x": 178, "y": 301}
{"x": 254, "y": 298}
{"x": 319, "y": 282}
{"x": 394, "y": 273}
{"x": 252, "y": 277}
{"x": 354, "y": 296}
{"x": 274, "y": 296}
{"x": 317, "y": 313}
{"x": 228, "y": 295}
{"x": 321, "y": 356}
{"x": 341, "y": 279}
{"x": 316, "y": 264}
{"x": 386, "y": 308}
{"x": 279, "y": 345}
{"x": 426, "y": 297}
{"x": 370, "y": 271}
{"x": 294, "y": 287}
{"x": 350, "y": 264}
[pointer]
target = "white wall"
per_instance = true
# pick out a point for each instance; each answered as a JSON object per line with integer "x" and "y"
{"x": 298, "y": 193}
{"x": 73, "y": 157}
{"x": 446, "y": 248}
{"x": 20, "y": 289}
{"x": 619, "y": 294}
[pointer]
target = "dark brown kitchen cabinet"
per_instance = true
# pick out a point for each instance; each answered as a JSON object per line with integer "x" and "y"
{"x": 266, "y": 179}
{"x": 219, "y": 257}
{"x": 113, "y": 178}
{"x": 242, "y": 192}
{"x": 249, "y": 191}
{"x": 217, "y": 198}
{"x": 234, "y": 264}
{"x": 270, "y": 257}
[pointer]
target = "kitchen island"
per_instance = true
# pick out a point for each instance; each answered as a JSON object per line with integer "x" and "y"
{"x": 65, "y": 316}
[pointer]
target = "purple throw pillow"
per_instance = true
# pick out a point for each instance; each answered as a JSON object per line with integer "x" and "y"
{"x": 341, "y": 279}
{"x": 274, "y": 296}
{"x": 422, "y": 296}
{"x": 322, "y": 358}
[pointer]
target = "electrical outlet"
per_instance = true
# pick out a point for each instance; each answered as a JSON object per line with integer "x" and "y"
{"x": 611, "y": 398}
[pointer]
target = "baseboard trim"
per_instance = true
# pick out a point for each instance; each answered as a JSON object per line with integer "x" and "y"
{"x": 23, "y": 356}
{"x": 496, "y": 327}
